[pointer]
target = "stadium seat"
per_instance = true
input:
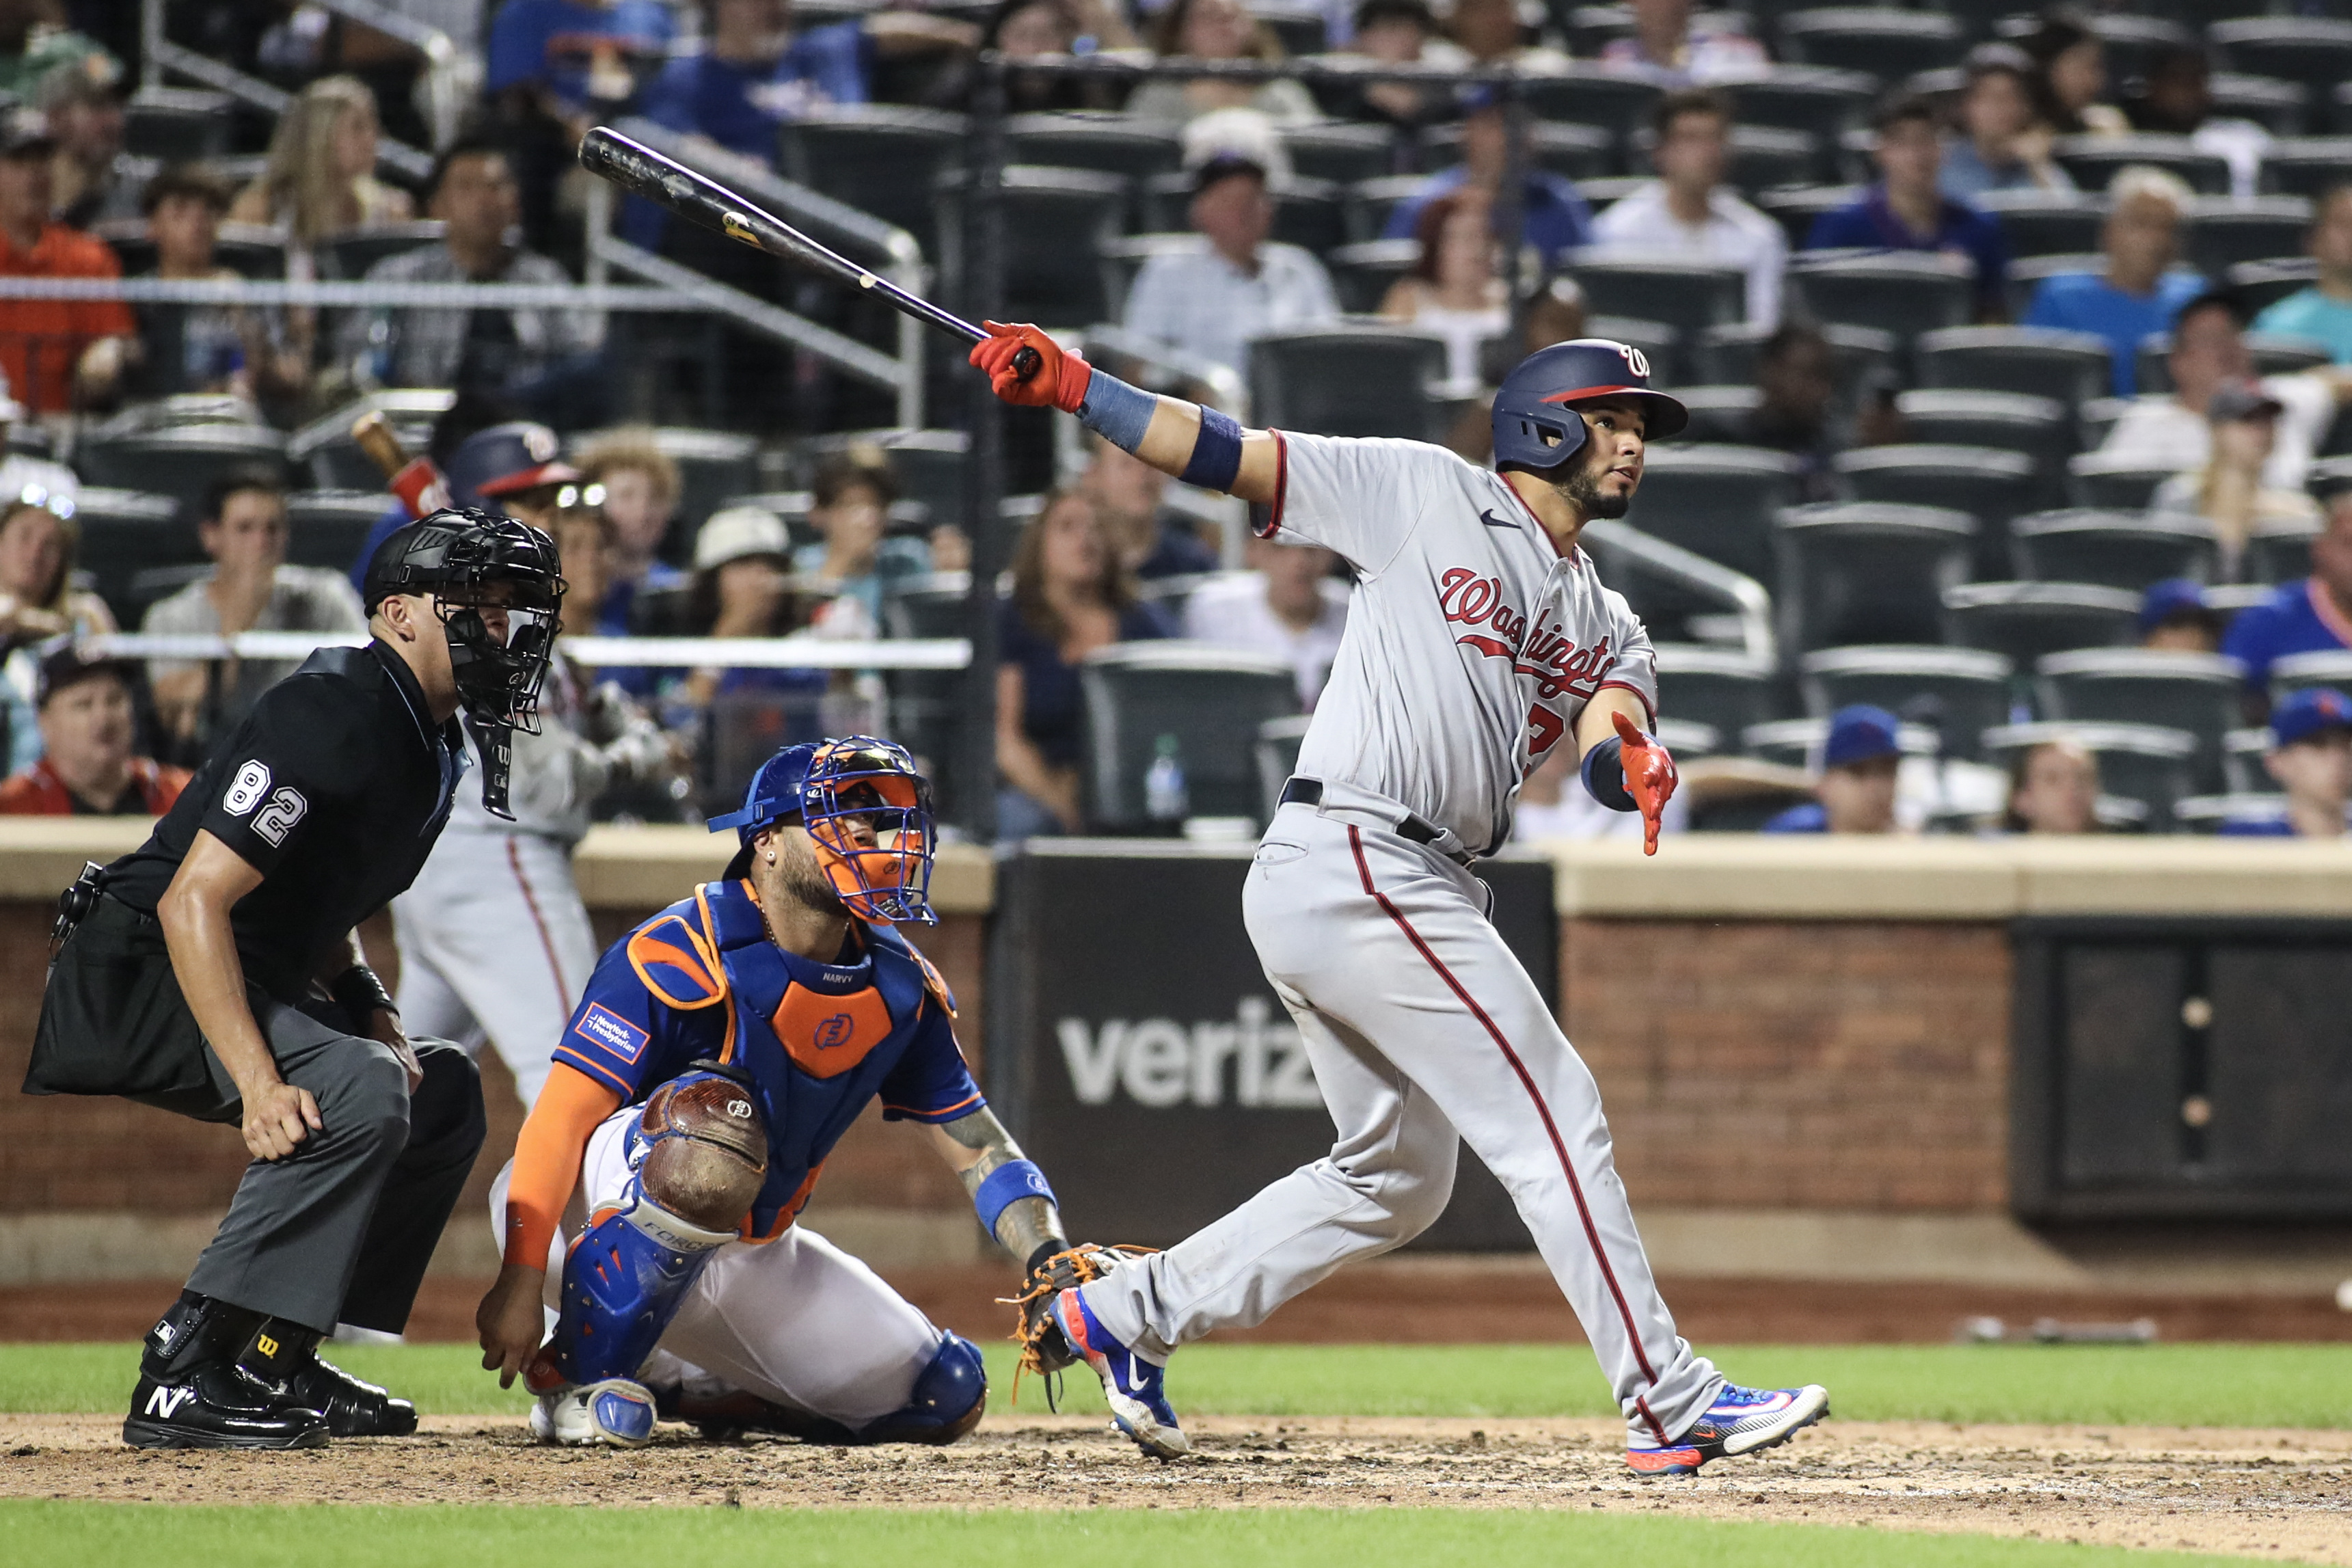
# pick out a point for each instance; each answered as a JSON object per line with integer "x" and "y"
{"x": 924, "y": 703}
{"x": 250, "y": 251}
{"x": 1590, "y": 94}
{"x": 334, "y": 461}
{"x": 124, "y": 532}
{"x": 2223, "y": 231}
{"x": 2241, "y": 760}
{"x": 1300, "y": 27}
{"x": 2307, "y": 167}
{"x": 2119, "y": 549}
{"x": 2282, "y": 107}
{"x": 2115, "y": 484}
{"x": 1276, "y": 755}
{"x": 169, "y": 123}
{"x": 1578, "y": 152}
{"x": 1717, "y": 502}
{"x": 1762, "y": 157}
{"x": 2262, "y": 284}
{"x": 2041, "y": 429}
{"x": 1211, "y": 700}
{"x": 2207, "y": 813}
{"x": 328, "y": 528}
{"x": 1906, "y": 293}
{"x": 1347, "y": 379}
{"x": 1814, "y": 98}
{"x": 2039, "y": 222}
{"x": 1717, "y": 413}
{"x": 181, "y": 460}
{"x": 2280, "y": 550}
{"x": 1720, "y": 687}
{"x": 2153, "y": 764}
{"x": 1660, "y": 343}
{"x": 1367, "y": 204}
{"x": 1875, "y": 41}
{"x": 1308, "y": 213}
{"x": 1108, "y": 143}
{"x": 1990, "y": 485}
{"x": 2298, "y": 670}
{"x": 1338, "y": 152}
{"x": 1688, "y": 296}
{"x": 2131, "y": 41}
{"x": 2093, "y": 161}
{"x": 349, "y": 256}
{"x": 883, "y": 159}
{"x": 928, "y": 464}
{"x": 2197, "y": 692}
{"x": 2097, "y": 416}
{"x": 1863, "y": 356}
{"x": 2313, "y": 50}
{"x": 1362, "y": 275}
{"x": 2023, "y": 621}
{"x": 1056, "y": 222}
{"x": 2042, "y": 362}
{"x": 1961, "y": 691}
{"x": 1797, "y": 742}
{"x": 1868, "y": 573}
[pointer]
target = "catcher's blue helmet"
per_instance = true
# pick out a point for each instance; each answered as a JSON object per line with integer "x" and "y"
{"x": 1534, "y": 426}
{"x": 822, "y": 784}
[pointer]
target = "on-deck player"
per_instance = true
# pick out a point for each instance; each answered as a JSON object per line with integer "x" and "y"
{"x": 1480, "y": 638}
{"x": 723, "y": 1047}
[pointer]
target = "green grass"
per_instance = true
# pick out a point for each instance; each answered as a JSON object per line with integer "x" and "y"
{"x": 120, "y": 1535}
{"x": 2185, "y": 1385}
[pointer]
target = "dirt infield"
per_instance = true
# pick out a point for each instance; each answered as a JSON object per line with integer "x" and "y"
{"x": 2279, "y": 1495}
{"x": 1505, "y": 1300}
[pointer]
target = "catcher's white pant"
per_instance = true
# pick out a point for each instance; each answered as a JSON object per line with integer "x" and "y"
{"x": 796, "y": 1319}
{"x": 494, "y": 941}
{"x": 1423, "y": 1031}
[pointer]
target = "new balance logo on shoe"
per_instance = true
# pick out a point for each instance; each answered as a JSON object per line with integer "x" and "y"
{"x": 166, "y": 1401}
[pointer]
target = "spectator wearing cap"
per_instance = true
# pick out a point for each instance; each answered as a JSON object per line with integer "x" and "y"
{"x": 1854, "y": 792}
{"x": 205, "y": 348}
{"x": 33, "y": 48}
{"x": 2314, "y": 616}
{"x": 1906, "y": 210}
{"x": 564, "y": 58}
{"x": 2140, "y": 292}
{"x": 2002, "y": 145}
{"x": 1687, "y": 213}
{"x": 1671, "y": 48}
{"x": 742, "y": 587}
{"x": 512, "y": 467}
{"x": 1210, "y": 299}
{"x": 2324, "y": 311}
{"x": 1217, "y": 30}
{"x": 91, "y": 174}
{"x": 86, "y": 767}
{"x": 1397, "y": 33}
{"x": 2176, "y": 616}
{"x": 1151, "y": 540}
{"x": 250, "y": 588}
{"x": 57, "y": 354}
{"x": 2054, "y": 787}
{"x": 1288, "y": 605}
{"x": 641, "y": 489}
{"x": 2172, "y": 430}
{"x": 542, "y": 361}
{"x": 854, "y": 553}
{"x": 2229, "y": 491}
{"x": 1553, "y": 215}
{"x": 39, "y": 541}
{"x": 2310, "y": 757}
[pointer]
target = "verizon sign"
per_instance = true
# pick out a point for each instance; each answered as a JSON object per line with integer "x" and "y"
{"x": 1137, "y": 1050}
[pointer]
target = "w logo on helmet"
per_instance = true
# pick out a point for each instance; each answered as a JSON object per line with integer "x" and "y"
{"x": 1635, "y": 359}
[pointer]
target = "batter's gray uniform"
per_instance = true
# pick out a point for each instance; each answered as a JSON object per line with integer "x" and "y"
{"x": 1472, "y": 648}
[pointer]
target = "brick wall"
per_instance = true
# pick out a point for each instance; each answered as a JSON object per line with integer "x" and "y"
{"x": 1837, "y": 1065}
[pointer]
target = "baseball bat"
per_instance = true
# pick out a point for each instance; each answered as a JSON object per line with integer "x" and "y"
{"x": 642, "y": 172}
{"x": 416, "y": 481}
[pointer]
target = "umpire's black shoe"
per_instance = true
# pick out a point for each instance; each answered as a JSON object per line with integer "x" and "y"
{"x": 287, "y": 1354}
{"x": 192, "y": 1395}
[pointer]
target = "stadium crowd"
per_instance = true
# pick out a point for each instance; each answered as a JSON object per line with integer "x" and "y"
{"x": 2106, "y": 253}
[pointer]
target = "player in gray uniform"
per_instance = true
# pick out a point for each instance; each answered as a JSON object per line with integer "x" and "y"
{"x": 1480, "y": 638}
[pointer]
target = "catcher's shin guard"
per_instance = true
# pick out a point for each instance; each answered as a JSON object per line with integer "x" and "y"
{"x": 623, "y": 1282}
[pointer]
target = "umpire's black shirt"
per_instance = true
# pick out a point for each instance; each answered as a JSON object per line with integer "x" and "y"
{"x": 334, "y": 788}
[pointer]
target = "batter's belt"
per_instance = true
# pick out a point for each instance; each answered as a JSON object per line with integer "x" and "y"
{"x": 1309, "y": 792}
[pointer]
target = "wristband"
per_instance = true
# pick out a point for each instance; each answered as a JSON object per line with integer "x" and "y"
{"x": 1604, "y": 775}
{"x": 1217, "y": 455}
{"x": 1117, "y": 412}
{"x": 359, "y": 990}
{"x": 1007, "y": 1185}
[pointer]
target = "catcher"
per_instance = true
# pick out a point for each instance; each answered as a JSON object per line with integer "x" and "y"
{"x": 720, "y": 1050}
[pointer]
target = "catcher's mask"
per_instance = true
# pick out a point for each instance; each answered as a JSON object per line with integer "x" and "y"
{"x": 868, "y": 815}
{"x": 470, "y": 563}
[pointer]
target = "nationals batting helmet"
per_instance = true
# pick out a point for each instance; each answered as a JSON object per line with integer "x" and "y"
{"x": 1535, "y": 423}
{"x": 819, "y": 785}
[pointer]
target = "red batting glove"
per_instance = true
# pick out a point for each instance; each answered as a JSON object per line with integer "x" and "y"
{"x": 1058, "y": 382}
{"x": 1650, "y": 777}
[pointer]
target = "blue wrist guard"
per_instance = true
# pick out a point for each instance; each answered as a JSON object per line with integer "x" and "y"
{"x": 1007, "y": 1185}
{"x": 1604, "y": 775}
{"x": 1117, "y": 412}
{"x": 1217, "y": 455}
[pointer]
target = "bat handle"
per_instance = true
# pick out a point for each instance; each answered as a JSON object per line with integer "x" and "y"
{"x": 1025, "y": 362}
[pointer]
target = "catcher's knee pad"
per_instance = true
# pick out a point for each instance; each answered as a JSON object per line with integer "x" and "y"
{"x": 701, "y": 1148}
{"x": 949, "y": 1396}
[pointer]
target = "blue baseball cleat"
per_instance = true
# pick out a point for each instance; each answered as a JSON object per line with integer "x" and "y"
{"x": 612, "y": 1411}
{"x": 1139, "y": 1405}
{"x": 1740, "y": 1421}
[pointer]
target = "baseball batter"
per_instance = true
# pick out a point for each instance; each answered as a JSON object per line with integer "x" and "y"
{"x": 1480, "y": 638}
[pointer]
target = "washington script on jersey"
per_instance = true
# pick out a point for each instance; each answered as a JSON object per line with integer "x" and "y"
{"x": 1162, "y": 1063}
{"x": 1550, "y": 656}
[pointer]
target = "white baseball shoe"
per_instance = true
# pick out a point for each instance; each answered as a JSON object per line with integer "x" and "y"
{"x": 578, "y": 1415}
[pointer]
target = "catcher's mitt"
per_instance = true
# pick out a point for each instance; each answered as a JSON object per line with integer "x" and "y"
{"x": 1044, "y": 1351}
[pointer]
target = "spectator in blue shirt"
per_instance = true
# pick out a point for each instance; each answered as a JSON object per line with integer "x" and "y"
{"x": 1855, "y": 792}
{"x": 2138, "y": 295}
{"x": 2324, "y": 311}
{"x": 1554, "y": 213}
{"x": 2310, "y": 757}
{"x": 1906, "y": 210}
{"x": 2314, "y": 616}
{"x": 756, "y": 73}
{"x": 566, "y": 53}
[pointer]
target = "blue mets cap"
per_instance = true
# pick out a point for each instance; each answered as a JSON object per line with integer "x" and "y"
{"x": 2173, "y": 596}
{"x": 2309, "y": 713}
{"x": 1861, "y": 734}
{"x": 773, "y": 794}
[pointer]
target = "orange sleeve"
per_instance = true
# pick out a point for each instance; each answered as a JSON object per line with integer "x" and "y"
{"x": 104, "y": 318}
{"x": 547, "y": 1160}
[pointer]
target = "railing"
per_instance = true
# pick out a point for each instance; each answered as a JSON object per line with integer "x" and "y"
{"x": 666, "y": 653}
{"x": 1740, "y": 594}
